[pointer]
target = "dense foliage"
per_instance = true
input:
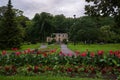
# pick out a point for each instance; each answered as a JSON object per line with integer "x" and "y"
{"x": 41, "y": 27}
{"x": 105, "y": 8}
{"x": 93, "y": 30}
{"x": 31, "y": 62}
{"x": 10, "y": 33}
{"x": 88, "y": 29}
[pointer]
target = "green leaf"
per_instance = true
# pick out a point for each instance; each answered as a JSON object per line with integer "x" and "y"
{"x": 114, "y": 61}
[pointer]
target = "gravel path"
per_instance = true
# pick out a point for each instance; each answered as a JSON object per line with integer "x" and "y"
{"x": 65, "y": 50}
{"x": 43, "y": 46}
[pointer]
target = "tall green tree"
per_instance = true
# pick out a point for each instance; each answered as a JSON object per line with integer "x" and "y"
{"x": 59, "y": 23}
{"x": 10, "y": 33}
{"x": 107, "y": 35}
{"x": 41, "y": 27}
{"x": 104, "y": 8}
{"x": 87, "y": 29}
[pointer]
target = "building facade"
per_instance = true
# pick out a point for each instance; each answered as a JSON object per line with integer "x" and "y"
{"x": 58, "y": 37}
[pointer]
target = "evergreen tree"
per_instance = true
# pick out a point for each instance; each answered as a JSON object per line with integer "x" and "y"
{"x": 10, "y": 33}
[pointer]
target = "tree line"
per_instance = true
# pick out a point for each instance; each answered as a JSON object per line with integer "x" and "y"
{"x": 95, "y": 27}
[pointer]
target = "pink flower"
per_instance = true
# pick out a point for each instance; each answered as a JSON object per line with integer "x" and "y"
{"x": 25, "y": 51}
{"x": 18, "y": 53}
{"x": 4, "y": 52}
{"x": 92, "y": 54}
{"x": 100, "y": 52}
{"x": 70, "y": 54}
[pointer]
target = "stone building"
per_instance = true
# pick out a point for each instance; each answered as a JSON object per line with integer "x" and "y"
{"x": 58, "y": 37}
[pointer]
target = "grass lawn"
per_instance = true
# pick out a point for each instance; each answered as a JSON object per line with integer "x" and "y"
{"x": 36, "y": 46}
{"x": 26, "y": 46}
{"x": 94, "y": 47}
{"x": 31, "y": 46}
{"x": 42, "y": 78}
{"x": 52, "y": 46}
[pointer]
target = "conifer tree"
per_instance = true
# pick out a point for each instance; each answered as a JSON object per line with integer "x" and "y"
{"x": 10, "y": 33}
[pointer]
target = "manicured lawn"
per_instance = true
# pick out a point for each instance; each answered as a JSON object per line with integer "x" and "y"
{"x": 52, "y": 46}
{"x": 31, "y": 46}
{"x": 37, "y": 46}
{"x": 26, "y": 46}
{"x": 42, "y": 78}
{"x": 94, "y": 47}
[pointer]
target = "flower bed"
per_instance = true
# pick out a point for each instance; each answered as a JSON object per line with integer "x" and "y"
{"x": 86, "y": 64}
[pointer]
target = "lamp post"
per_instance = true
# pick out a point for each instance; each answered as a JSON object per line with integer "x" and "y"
{"x": 74, "y": 16}
{"x": 74, "y": 34}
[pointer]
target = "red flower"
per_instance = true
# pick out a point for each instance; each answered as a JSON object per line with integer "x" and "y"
{"x": 111, "y": 52}
{"x": 100, "y": 52}
{"x": 14, "y": 69}
{"x": 92, "y": 54}
{"x": 25, "y": 51}
{"x": 61, "y": 53}
{"x": 36, "y": 68}
{"x": 44, "y": 54}
{"x": 18, "y": 53}
{"x": 116, "y": 53}
{"x": 92, "y": 69}
{"x": 14, "y": 49}
{"x": 104, "y": 70}
{"x": 52, "y": 51}
{"x": 32, "y": 51}
{"x": 64, "y": 54}
{"x": 38, "y": 52}
{"x": 83, "y": 54}
{"x": 7, "y": 68}
{"x": 77, "y": 52}
{"x": 29, "y": 69}
{"x": 69, "y": 70}
{"x": 4, "y": 52}
{"x": 28, "y": 50}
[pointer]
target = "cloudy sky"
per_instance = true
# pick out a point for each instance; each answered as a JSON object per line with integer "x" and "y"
{"x": 66, "y": 7}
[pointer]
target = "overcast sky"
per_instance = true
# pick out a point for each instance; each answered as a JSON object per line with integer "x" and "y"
{"x": 55, "y": 7}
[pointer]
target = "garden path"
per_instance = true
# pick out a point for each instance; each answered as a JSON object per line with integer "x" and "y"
{"x": 43, "y": 46}
{"x": 66, "y": 50}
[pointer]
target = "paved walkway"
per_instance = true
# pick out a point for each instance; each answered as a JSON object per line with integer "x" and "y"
{"x": 65, "y": 50}
{"x": 43, "y": 46}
